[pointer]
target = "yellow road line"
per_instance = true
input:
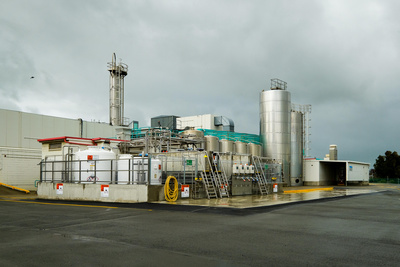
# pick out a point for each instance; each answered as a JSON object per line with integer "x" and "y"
{"x": 59, "y": 204}
{"x": 307, "y": 190}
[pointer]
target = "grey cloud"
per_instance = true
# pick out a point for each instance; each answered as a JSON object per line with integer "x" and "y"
{"x": 196, "y": 57}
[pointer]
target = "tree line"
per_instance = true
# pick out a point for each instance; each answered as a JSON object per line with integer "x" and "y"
{"x": 387, "y": 165}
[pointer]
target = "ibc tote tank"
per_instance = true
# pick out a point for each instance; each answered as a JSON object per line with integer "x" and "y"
{"x": 125, "y": 167}
{"x": 96, "y": 164}
{"x": 275, "y": 109}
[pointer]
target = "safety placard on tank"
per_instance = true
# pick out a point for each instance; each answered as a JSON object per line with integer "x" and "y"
{"x": 105, "y": 190}
{"x": 59, "y": 190}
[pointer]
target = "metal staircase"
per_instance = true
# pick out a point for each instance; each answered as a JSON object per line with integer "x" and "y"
{"x": 207, "y": 176}
{"x": 260, "y": 176}
{"x": 215, "y": 181}
{"x": 209, "y": 185}
{"x": 222, "y": 180}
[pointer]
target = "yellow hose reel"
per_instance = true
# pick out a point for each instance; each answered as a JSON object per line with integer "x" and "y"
{"x": 171, "y": 195}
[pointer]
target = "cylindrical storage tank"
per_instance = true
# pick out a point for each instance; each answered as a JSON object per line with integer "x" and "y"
{"x": 226, "y": 146}
{"x": 95, "y": 164}
{"x": 195, "y": 135}
{"x": 333, "y": 152}
{"x": 275, "y": 109}
{"x": 254, "y": 149}
{"x": 125, "y": 169}
{"x": 241, "y": 148}
{"x": 212, "y": 143}
{"x": 296, "y": 159}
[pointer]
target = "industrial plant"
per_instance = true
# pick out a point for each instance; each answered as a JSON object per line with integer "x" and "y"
{"x": 199, "y": 156}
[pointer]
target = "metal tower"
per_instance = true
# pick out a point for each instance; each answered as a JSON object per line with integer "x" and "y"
{"x": 117, "y": 75}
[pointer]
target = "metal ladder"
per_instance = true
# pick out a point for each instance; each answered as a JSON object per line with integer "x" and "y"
{"x": 222, "y": 180}
{"x": 209, "y": 185}
{"x": 260, "y": 176}
{"x": 208, "y": 179}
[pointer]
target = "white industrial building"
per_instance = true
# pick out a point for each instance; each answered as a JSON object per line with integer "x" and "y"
{"x": 21, "y": 153}
{"x": 335, "y": 172}
{"x": 206, "y": 121}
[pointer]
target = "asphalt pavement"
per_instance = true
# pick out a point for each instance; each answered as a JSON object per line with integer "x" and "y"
{"x": 355, "y": 230}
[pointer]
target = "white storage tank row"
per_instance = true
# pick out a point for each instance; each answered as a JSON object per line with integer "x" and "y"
{"x": 101, "y": 165}
{"x": 212, "y": 143}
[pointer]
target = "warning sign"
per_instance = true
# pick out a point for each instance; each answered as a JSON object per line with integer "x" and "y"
{"x": 275, "y": 188}
{"x": 59, "y": 189}
{"x": 185, "y": 190}
{"x": 105, "y": 190}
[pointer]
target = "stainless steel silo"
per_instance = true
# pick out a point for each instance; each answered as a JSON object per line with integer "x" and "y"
{"x": 226, "y": 146}
{"x": 254, "y": 149}
{"x": 241, "y": 148}
{"x": 296, "y": 158}
{"x": 212, "y": 143}
{"x": 275, "y": 109}
{"x": 333, "y": 152}
{"x": 195, "y": 135}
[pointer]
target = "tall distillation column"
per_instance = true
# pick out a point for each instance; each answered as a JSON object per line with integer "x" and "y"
{"x": 117, "y": 75}
{"x": 275, "y": 129}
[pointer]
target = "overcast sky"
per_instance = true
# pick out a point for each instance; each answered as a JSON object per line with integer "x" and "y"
{"x": 198, "y": 57}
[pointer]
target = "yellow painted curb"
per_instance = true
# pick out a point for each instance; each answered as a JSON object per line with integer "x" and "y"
{"x": 15, "y": 188}
{"x": 307, "y": 190}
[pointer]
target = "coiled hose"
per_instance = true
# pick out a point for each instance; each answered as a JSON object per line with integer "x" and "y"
{"x": 171, "y": 195}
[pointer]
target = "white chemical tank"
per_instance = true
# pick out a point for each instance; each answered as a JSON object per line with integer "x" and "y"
{"x": 226, "y": 146}
{"x": 94, "y": 164}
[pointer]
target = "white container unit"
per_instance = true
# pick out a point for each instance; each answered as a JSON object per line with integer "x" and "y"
{"x": 95, "y": 164}
{"x": 155, "y": 172}
{"x": 125, "y": 167}
{"x": 141, "y": 167}
{"x": 235, "y": 168}
{"x": 137, "y": 171}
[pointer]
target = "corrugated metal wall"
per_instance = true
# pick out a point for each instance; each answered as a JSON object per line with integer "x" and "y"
{"x": 19, "y": 150}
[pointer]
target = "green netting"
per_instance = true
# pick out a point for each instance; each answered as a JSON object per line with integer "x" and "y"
{"x": 242, "y": 137}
